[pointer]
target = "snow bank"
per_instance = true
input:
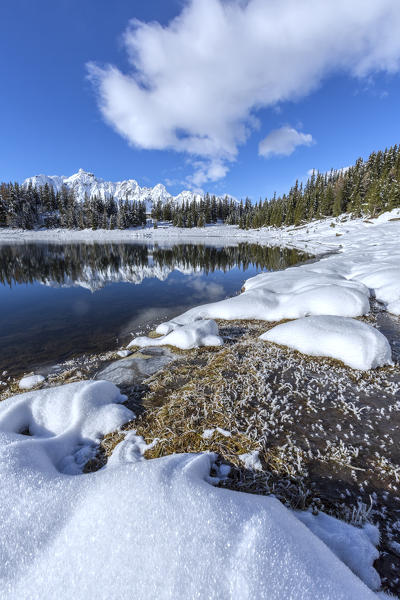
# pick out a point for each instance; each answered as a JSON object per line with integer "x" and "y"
{"x": 385, "y": 283}
{"x": 354, "y": 343}
{"x": 30, "y": 381}
{"x": 192, "y": 335}
{"x": 288, "y": 294}
{"x": 147, "y": 529}
{"x": 366, "y": 263}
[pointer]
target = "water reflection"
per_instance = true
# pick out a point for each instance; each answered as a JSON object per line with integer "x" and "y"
{"x": 94, "y": 265}
{"x": 48, "y": 311}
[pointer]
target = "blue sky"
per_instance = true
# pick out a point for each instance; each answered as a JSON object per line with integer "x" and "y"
{"x": 332, "y": 100}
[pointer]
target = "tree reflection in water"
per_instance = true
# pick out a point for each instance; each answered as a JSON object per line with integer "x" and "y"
{"x": 68, "y": 263}
{"x": 47, "y": 313}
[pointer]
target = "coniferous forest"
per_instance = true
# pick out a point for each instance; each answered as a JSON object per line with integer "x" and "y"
{"x": 368, "y": 188}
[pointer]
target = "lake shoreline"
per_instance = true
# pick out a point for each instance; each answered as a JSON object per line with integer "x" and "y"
{"x": 58, "y": 301}
{"x": 317, "y": 237}
{"x": 310, "y": 431}
{"x": 210, "y": 235}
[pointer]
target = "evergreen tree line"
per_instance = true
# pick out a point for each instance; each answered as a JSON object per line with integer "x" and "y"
{"x": 198, "y": 213}
{"x": 30, "y": 207}
{"x": 366, "y": 189}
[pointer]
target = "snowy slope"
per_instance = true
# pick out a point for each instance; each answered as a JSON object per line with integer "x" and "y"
{"x": 83, "y": 183}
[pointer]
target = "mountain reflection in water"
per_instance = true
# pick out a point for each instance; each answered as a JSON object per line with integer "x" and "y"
{"x": 99, "y": 264}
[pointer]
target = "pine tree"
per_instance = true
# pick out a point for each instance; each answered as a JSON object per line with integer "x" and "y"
{"x": 104, "y": 220}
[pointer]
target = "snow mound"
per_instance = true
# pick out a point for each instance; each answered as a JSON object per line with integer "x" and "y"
{"x": 147, "y": 529}
{"x": 30, "y": 381}
{"x": 354, "y": 343}
{"x": 193, "y": 335}
{"x": 65, "y": 422}
{"x": 124, "y": 353}
{"x": 289, "y": 294}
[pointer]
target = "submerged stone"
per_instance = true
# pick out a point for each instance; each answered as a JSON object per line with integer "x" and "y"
{"x": 134, "y": 369}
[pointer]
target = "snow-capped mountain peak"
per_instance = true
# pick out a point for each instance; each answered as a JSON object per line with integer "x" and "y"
{"x": 84, "y": 183}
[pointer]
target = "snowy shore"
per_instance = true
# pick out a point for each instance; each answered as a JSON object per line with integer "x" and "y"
{"x": 316, "y": 238}
{"x": 160, "y": 528}
{"x": 366, "y": 264}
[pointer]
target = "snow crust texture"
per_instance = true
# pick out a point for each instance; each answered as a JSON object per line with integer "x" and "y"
{"x": 149, "y": 529}
{"x": 65, "y": 423}
{"x": 357, "y": 344}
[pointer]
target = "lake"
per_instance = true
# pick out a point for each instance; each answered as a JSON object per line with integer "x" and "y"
{"x": 58, "y": 301}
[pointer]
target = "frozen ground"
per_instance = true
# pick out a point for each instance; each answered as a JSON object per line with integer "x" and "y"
{"x": 312, "y": 432}
{"x": 151, "y": 529}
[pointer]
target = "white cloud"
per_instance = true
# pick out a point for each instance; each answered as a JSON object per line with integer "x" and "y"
{"x": 283, "y": 142}
{"x": 196, "y": 84}
{"x": 205, "y": 171}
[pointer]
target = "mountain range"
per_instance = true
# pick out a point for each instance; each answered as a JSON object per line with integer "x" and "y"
{"x": 83, "y": 183}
